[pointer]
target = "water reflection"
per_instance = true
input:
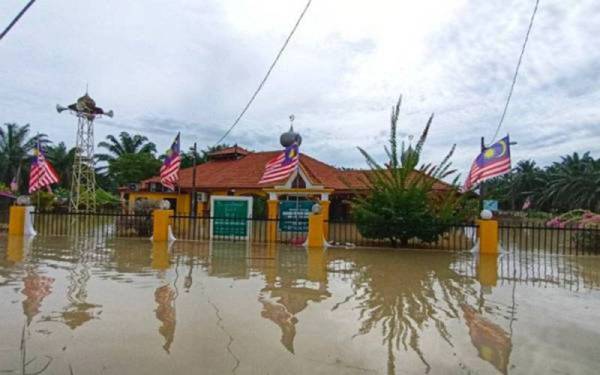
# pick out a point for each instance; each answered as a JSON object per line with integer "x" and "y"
{"x": 298, "y": 284}
{"x": 35, "y": 288}
{"x": 396, "y": 304}
{"x": 165, "y": 313}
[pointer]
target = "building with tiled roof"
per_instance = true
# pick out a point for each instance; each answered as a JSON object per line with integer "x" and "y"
{"x": 235, "y": 171}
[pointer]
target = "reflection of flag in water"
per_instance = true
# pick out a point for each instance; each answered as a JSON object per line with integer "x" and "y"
{"x": 165, "y": 312}
{"x": 494, "y": 161}
{"x": 280, "y": 315}
{"x": 527, "y": 204}
{"x": 492, "y": 342}
{"x": 41, "y": 173}
{"x": 169, "y": 172}
{"x": 282, "y": 165}
{"x": 35, "y": 288}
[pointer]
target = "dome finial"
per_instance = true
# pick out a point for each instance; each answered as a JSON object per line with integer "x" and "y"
{"x": 290, "y": 137}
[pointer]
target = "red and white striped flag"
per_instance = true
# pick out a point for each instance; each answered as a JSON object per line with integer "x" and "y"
{"x": 282, "y": 165}
{"x": 494, "y": 161}
{"x": 169, "y": 172}
{"x": 41, "y": 173}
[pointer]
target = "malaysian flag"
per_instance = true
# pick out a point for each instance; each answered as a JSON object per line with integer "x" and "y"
{"x": 282, "y": 165}
{"x": 41, "y": 173}
{"x": 492, "y": 162}
{"x": 169, "y": 172}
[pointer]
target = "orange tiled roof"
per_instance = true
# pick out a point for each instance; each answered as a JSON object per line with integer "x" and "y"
{"x": 245, "y": 172}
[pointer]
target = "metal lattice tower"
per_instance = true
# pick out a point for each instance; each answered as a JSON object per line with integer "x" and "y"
{"x": 83, "y": 181}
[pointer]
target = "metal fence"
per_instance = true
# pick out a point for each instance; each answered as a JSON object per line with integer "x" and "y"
{"x": 532, "y": 236}
{"x": 536, "y": 236}
{"x": 194, "y": 228}
{"x": 458, "y": 237}
{"x": 98, "y": 224}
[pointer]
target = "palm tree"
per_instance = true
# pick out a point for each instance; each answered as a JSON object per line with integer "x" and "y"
{"x": 62, "y": 160}
{"x": 126, "y": 144}
{"x": 573, "y": 183}
{"x": 15, "y": 146}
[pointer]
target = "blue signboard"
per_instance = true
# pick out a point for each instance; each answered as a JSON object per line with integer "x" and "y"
{"x": 490, "y": 204}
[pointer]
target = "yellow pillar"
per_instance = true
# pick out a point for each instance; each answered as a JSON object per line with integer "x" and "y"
{"x": 488, "y": 237}
{"x": 316, "y": 237}
{"x": 15, "y": 248}
{"x": 272, "y": 208}
{"x": 160, "y": 256}
{"x": 16, "y": 221}
{"x": 325, "y": 212}
{"x": 161, "y": 225}
{"x": 487, "y": 269}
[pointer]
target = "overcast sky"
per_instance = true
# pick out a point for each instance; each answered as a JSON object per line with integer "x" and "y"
{"x": 190, "y": 66}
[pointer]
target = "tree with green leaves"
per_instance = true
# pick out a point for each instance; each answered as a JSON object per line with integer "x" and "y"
{"x": 572, "y": 183}
{"x": 125, "y": 144}
{"x": 15, "y": 151}
{"x": 129, "y": 168}
{"x": 402, "y": 203}
{"x": 62, "y": 160}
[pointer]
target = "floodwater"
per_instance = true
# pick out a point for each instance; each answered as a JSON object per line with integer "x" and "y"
{"x": 89, "y": 306}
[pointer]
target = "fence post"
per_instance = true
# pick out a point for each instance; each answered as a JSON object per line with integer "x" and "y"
{"x": 488, "y": 234}
{"x": 16, "y": 221}
{"x": 316, "y": 238}
{"x": 160, "y": 225}
{"x": 272, "y": 207}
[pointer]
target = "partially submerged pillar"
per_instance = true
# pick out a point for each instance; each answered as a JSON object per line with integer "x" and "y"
{"x": 272, "y": 210}
{"x": 488, "y": 234}
{"x": 16, "y": 221}
{"x": 160, "y": 224}
{"x": 316, "y": 234}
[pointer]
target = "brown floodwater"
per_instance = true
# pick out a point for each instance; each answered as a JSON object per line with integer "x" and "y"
{"x": 90, "y": 306}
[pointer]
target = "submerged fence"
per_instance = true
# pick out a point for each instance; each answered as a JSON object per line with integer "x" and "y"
{"x": 99, "y": 224}
{"x": 536, "y": 236}
{"x": 527, "y": 236}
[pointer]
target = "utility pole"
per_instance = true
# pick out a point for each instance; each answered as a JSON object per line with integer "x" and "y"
{"x": 194, "y": 203}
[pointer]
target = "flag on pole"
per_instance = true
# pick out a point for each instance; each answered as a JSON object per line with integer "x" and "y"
{"x": 41, "y": 173}
{"x": 282, "y": 165}
{"x": 169, "y": 172}
{"x": 494, "y": 161}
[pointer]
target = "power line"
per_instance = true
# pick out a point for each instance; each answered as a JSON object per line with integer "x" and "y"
{"x": 16, "y": 19}
{"x": 262, "y": 83}
{"x": 514, "y": 80}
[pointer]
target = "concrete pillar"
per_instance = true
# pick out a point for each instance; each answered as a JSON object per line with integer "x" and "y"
{"x": 16, "y": 221}
{"x": 272, "y": 212}
{"x": 15, "y": 248}
{"x": 316, "y": 237}
{"x": 488, "y": 237}
{"x": 161, "y": 220}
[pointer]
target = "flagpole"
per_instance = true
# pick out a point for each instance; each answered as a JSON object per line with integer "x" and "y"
{"x": 194, "y": 203}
